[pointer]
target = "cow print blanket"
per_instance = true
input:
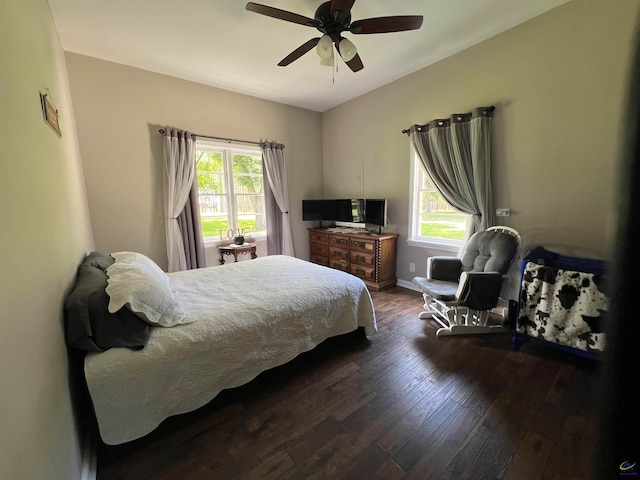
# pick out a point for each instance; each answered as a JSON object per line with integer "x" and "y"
{"x": 563, "y": 306}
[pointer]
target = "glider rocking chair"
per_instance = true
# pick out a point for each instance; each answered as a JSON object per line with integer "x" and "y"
{"x": 459, "y": 293}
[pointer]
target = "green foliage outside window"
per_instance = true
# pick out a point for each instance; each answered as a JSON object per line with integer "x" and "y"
{"x": 446, "y": 225}
{"x": 214, "y": 193}
{"x": 438, "y": 219}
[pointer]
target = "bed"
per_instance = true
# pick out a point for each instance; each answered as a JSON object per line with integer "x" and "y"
{"x": 231, "y": 323}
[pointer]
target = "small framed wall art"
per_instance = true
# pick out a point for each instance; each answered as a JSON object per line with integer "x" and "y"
{"x": 50, "y": 113}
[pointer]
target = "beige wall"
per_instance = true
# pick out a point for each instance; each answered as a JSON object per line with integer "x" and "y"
{"x": 45, "y": 233}
{"x": 119, "y": 111}
{"x": 557, "y": 82}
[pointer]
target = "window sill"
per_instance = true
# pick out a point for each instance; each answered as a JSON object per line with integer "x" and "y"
{"x": 435, "y": 245}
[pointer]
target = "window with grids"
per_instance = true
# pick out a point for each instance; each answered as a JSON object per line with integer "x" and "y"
{"x": 230, "y": 190}
{"x": 432, "y": 219}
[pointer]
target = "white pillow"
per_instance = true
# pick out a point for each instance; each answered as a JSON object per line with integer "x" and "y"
{"x": 143, "y": 262}
{"x": 140, "y": 285}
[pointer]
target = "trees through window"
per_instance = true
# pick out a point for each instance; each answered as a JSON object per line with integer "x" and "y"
{"x": 432, "y": 218}
{"x": 230, "y": 190}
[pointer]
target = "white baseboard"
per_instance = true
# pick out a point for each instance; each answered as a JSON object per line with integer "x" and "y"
{"x": 407, "y": 284}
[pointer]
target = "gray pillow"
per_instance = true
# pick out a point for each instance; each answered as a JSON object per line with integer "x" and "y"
{"x": 88, "y": 323}
{"x": 99, "y": 260}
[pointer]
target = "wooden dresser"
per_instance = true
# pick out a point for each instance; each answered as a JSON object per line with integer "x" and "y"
{"x": 366, "y": 255}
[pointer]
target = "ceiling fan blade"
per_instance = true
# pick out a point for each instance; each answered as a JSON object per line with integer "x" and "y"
{"x": 355, "y": 64}
{"x": 280, "y": 14}
{"x": 298, "y": 52}
{"x": 341, "y": 6}
{"x": 399, "y": 23}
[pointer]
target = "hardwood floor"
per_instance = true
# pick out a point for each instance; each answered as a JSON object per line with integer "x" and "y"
{"x": 404, "y": 404}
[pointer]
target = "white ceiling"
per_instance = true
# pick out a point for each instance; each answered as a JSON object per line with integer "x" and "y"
{"x": 219, "y": 43}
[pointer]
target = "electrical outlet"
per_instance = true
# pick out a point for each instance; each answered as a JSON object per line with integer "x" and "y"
{"x": 412, "y": 267}
{"x": 503, "y": 212}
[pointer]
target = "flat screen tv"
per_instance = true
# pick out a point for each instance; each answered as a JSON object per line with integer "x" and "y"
{"x": 375, "y": 211}
{"x": 332, "y": 210}
{"x": 313, "y": 210}
{"x": 371, "y": 210}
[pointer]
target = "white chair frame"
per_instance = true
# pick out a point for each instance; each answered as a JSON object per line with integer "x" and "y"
{"x": 456, "y": 319}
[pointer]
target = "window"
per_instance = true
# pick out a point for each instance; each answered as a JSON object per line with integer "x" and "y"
{"x": 230, "y": 190}
{"x": 432, "y": 222}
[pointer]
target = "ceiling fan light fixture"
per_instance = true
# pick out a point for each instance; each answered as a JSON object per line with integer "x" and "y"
{"x": 325, "y": 47}
{"x": 327, "y": 61}
{"x": 347, "y": 49}
{"x": 332, "y": 18}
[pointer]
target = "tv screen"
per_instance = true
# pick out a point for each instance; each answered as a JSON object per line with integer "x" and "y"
{"x": 327, "y": 210}
{"x": 375, "y": 211}
{"x": 342, "y": 210}
{"x": 358, "y": 210}
{"x": 313, "y": 210}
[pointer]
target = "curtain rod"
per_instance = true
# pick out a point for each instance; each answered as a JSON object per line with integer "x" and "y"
{"x": 223, "y": 138}
{"x": 485, "y": 111}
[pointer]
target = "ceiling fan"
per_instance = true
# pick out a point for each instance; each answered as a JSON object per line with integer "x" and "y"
{"x": 331, "y": 19}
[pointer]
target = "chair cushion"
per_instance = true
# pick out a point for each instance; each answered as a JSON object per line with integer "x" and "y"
{"x": 438, "y": 289}
{"x": 489, "y": 251}
{"x": 445, "y": 268}
{"x": 480, "y": 290}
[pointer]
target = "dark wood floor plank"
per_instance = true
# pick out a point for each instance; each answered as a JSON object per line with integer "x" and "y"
{"x": 390, "y": 470}
{"x": 435, "y": 459}
{"x": 425, "y": 436}
{"x": 577, "y": 436}
{"x": 530, "y": 458}
{"x": 290, "y": 420}
{"x": 403, "y": 404}
{"x": 465, "y": 461}
{"x": 272, "y": 468}
{"x": 392, "y": 402}
{"x": 337, "y": 457}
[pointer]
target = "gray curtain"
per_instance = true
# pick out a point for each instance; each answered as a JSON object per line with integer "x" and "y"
{"x": 181, "y": 216}
{"x": 275, "y": 171}
{"x": 456, "y": 154}
{"x": 191, "y": 230}
{"x": 274, "y": 219}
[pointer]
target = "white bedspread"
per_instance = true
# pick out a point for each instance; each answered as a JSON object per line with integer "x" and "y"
{"x": 250, "y": 316}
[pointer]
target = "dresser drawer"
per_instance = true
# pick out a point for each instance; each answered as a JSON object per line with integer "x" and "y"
{"x": 339, "y": 264}
{"x": 318, "y": 249}
{"x": 338, "y": 253}
{"x": 361, "y": 271}
{"x": 319, "y": 259}
{"x": 318, "y": 237}
{"x": 370, "y": 257}
{"x": 339, "y": 241}
{"x": 360, "y": 258}
{"x": 362, "y": 245}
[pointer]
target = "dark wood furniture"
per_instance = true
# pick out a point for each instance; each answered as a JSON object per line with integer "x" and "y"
{"x": 236, "y": 250}
{"x": 366, "y": 255}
